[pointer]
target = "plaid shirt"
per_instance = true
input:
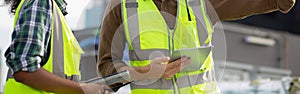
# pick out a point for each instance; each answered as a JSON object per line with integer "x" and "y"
{"x": 31, "y": 35}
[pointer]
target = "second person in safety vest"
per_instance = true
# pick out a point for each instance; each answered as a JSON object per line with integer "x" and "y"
{"x": 154, "y": 29}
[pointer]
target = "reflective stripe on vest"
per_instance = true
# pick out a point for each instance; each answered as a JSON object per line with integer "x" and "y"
{"x": 166, "y": 84}
{"x": 193, "y": 84}
{"x": 58, "y": 45}
{"x": 64, "y": 56}
{"x": 147, "y": 32}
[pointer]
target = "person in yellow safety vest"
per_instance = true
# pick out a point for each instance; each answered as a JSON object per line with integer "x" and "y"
{"x": 44, "y": 55}
{"x": 154, "y": 29}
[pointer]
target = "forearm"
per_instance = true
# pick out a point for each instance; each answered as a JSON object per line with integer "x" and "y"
{"x": 44, "y": 80}
{"x": 108, "y": 68}
{"x": 135, "y": 72}
{"x": 238, "y": 9}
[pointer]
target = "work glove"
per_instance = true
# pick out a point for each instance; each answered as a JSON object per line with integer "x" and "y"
{"x": 95, "y": 88}
{"x": 285, "y": 6}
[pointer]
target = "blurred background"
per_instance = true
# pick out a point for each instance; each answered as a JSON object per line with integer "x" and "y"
{"x": 262, "y": 50}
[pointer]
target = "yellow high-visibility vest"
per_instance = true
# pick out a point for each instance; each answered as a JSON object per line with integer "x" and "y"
{"x": 147, "y": 32}
{"x": 64, "y": 59}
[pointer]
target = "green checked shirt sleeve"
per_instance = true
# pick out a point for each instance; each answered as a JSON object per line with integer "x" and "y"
{"x": 31, "y": 35}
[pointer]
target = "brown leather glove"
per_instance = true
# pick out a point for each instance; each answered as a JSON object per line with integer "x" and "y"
{"x": 285, "y": 6}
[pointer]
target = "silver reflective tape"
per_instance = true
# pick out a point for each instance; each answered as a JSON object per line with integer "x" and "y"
{"x": 202, "y": 36}
{"x": 164, "y": 84}
{"x": 58, "y": 46}
{"x": 132, "y": 5}
{"x": 148, "y": 54}
{"x": 161, "y": 84}
{"x": 188, "y": 81}
{"x": 133, "y": 24}
{"x": 201, "y": 25}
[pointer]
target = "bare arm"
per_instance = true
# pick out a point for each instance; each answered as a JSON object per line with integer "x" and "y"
{"x": 44, "y": 80}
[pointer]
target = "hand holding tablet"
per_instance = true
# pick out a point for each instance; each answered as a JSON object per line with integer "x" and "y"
{"x": 198, "y": 56}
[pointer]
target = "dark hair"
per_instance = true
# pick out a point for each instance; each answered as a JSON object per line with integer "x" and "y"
{"x": 13, "y": 5}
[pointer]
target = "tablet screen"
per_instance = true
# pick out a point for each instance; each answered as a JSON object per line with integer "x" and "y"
{"x": 198, "y": 56}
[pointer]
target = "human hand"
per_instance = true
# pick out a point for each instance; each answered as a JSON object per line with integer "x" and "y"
{"x": 285, "y": 5}
{"x": 94, "y": 88}
{"x": 159, "y": 68}
{"x": 175, "y": 66}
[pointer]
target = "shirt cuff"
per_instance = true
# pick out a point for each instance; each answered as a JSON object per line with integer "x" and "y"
{"x": 27, "y": 64}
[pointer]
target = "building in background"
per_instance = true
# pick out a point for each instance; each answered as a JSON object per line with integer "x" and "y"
{"x": 88, "y": 37}
{"x": 257, "y": 60}
{"x": 283, "y": 22}
{"x": 94, "y": 14}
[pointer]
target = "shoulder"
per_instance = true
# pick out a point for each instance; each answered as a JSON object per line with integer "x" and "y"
{"x": 34, "y": 15}
{"x": 35, "y": 7}
{"x": 62, "y": 4}
{"x": 113, "y": 8}
{"x": 44, "y": 5}
{"x": 114, "y": 4}
{"x": 38, "y": 4}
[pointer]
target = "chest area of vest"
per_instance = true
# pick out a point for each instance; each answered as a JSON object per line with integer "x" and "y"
{"x": 148, "y": 29}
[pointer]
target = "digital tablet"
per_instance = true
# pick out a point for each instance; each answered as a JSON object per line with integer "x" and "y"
{"x": 198, "y": 56}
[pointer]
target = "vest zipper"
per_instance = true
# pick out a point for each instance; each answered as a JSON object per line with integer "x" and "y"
{"x": 176, "y": 88}
{"x": 171, "y": 48}
{"x": 171, "y": 41}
